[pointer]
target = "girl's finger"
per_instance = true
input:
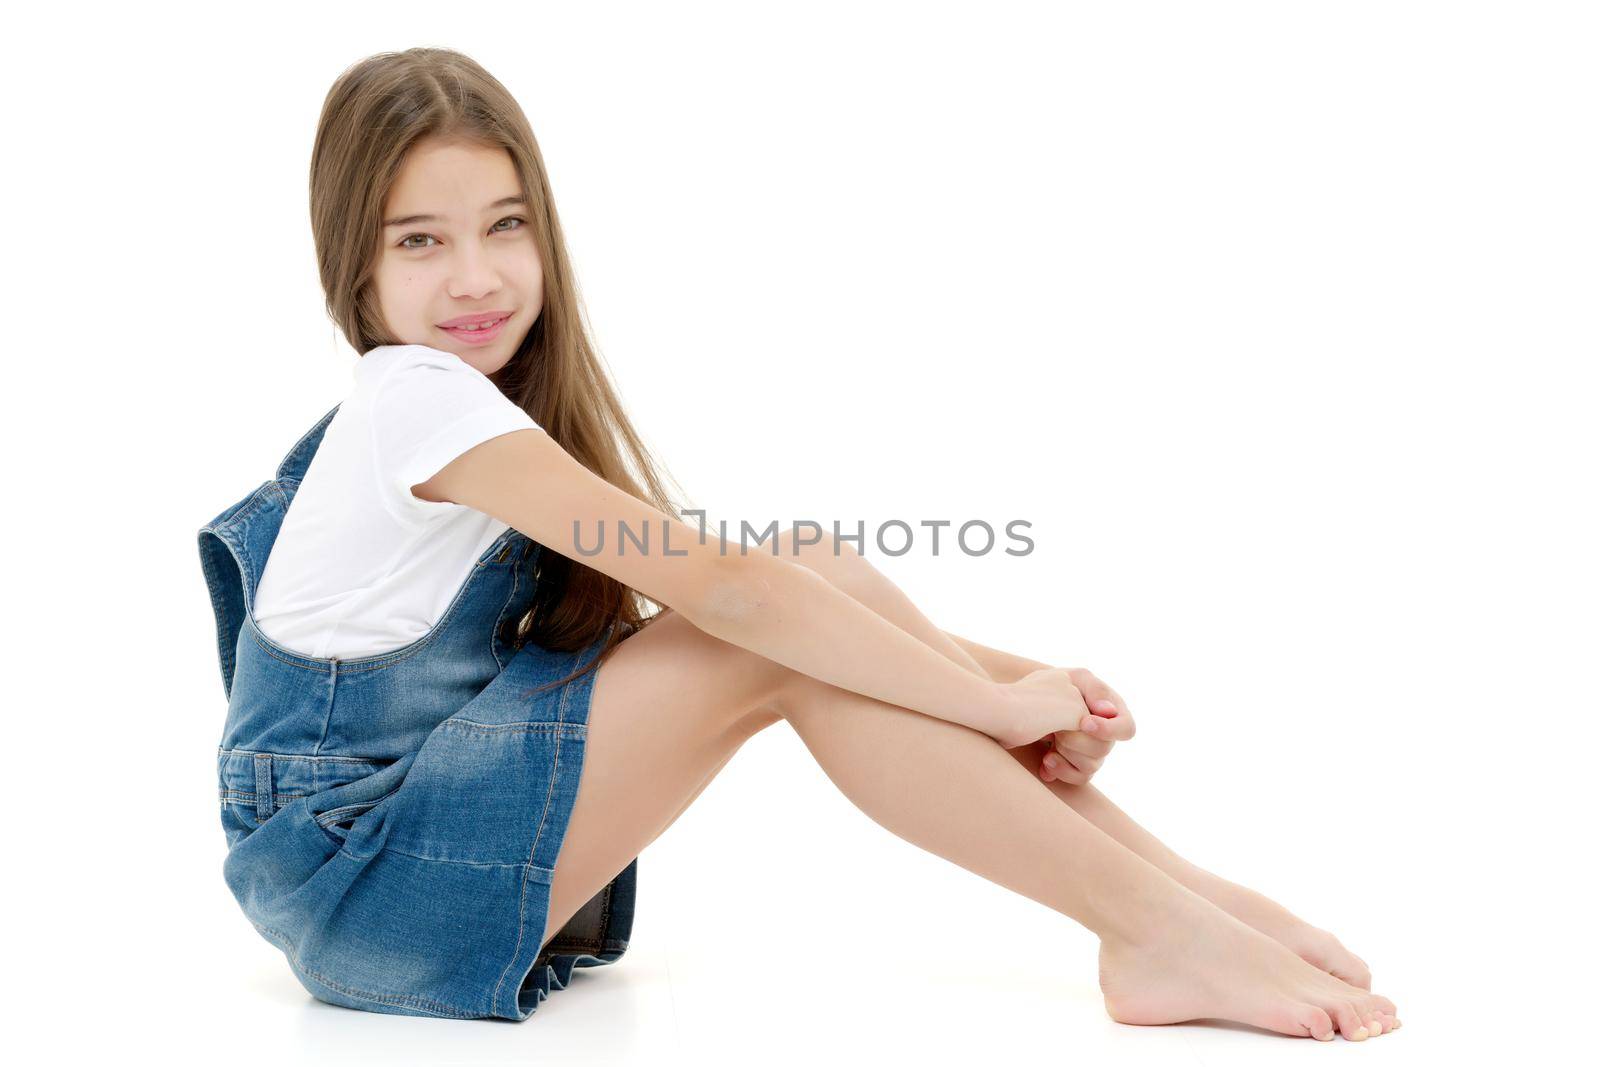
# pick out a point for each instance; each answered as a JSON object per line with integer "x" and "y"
{"x": 1084, "y": 765}
{"x": 1061, "y": 770}
{"x": 1096, "y": 692}
{"x": 1107, "y": 727}
{"x": 1048, "y": 765}
{"x": 1105, "y": 704}
{"x": 1048, "y": 741}
{"x": 1077, "y": 742}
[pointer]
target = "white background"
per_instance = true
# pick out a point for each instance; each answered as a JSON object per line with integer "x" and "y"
{"x": 1276, "y": 320}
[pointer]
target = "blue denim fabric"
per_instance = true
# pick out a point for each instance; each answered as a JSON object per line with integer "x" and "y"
{"x": 393, "y": 821}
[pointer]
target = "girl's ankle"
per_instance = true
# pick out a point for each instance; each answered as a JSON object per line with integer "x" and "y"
{"x": 1148, "y": 923}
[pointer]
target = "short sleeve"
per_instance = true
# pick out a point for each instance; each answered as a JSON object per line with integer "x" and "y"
{"x": 429, "y": 408}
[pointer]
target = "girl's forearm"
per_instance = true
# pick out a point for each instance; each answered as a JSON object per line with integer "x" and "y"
{"x": 1002, "y": 666}
{"x": 794, "y": 616}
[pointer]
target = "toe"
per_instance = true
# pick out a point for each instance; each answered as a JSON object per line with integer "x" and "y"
{"x": 1315, "y": 1021}
{"x": 1349, "y": 1021}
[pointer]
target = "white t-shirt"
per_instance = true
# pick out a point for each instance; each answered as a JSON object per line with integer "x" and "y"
{"x": 360, "y": 565}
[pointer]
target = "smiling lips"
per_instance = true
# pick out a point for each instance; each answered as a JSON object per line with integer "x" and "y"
{"x": 480, "y": 335}
{"x": 480, "y": 318}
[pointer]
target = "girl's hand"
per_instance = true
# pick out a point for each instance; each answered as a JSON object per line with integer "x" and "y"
{"x": 1041, "y": 703}
{"x": 1076, "y": 755}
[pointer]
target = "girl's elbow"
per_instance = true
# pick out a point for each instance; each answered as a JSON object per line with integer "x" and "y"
{"x": 733, "y": 592}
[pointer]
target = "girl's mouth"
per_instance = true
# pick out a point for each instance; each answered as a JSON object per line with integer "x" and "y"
{"x": 479, "y": 336}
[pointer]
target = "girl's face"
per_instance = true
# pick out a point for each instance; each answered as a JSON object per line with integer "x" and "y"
{"x": 457, "y": 244}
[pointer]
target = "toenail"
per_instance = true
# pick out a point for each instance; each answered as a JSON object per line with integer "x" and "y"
{"x": 1361, "y": 1033}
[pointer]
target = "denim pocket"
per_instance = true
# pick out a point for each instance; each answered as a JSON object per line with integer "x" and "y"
{"x": 255, "y": 785}
{"x": 349, "y": 814}
{"x": 339, "y": 821}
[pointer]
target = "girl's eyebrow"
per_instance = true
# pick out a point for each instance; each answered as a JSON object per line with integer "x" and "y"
{"x": 407, "y": 220}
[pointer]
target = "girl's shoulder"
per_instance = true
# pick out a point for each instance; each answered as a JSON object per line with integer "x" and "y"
{"x": 424, "y": 407}
{"x": 415, "y": 383}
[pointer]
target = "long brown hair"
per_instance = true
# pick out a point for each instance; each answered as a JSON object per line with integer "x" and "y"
{"x": 375, "y": 111}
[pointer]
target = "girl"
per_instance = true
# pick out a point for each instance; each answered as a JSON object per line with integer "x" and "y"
{"x": 440, "y": 693}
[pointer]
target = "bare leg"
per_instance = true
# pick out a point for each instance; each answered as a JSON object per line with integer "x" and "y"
{"x": 669, "y": 708}
{"x": 1167, "y": 954}
{"x": 855, "y": 575}
{"x": 1314, "y": 945}
{"x": 673, "y": 703}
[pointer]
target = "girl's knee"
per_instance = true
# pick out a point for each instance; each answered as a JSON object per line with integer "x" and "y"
{"x": 813, "y": 542}
{"x": 830, "y": 557}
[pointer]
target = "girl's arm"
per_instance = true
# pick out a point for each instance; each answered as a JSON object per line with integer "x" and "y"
{"x": 1002, "y": 666}
{"x": 759, "y": 601}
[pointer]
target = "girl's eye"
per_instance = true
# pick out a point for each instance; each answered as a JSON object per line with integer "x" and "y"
{"x": 509, "y": 218}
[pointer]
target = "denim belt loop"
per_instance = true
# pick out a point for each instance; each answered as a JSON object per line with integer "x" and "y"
{"x": 264, "y": 797}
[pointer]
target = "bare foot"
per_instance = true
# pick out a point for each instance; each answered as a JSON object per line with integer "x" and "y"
{"x": 1312, "y": 944}
{"x": 1202, "y": 963}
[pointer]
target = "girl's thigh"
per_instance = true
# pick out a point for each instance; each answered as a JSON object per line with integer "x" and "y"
{"x": 669, "y": 707}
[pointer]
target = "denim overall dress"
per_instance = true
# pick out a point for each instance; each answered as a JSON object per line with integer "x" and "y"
{"x": 393, "y": 821}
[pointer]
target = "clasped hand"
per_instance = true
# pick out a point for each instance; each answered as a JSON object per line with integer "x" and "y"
{"x": 1073, "y": 716}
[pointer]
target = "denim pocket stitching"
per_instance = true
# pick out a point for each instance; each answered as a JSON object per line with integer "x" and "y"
{"x": 344, "y": 811}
